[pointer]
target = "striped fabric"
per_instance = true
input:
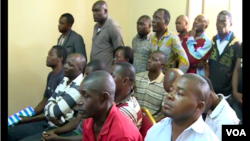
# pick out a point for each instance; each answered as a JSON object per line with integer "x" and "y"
{"x": 150, "y": 94}
{"x": 131, "y": 108}
{"x": 62, "y": 103}
{"x": 14, "y": 119}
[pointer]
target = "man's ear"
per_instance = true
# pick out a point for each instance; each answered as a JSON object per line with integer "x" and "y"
{"x": 163, "y": 65}
{"x": 200, "y": 106}
{"x": 125, "y": 81}
{"x": 105, "y": 11}
{"x": 166, "y": 21}
{"x": 60, "y": 59}
{"x": 105, "y": 97}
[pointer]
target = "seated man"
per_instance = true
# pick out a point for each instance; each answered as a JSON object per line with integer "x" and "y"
{"x": 183, "y": 107}
{"x": 61, "y": 106}
{"x": 169, "y": 79}
{"x": 124, "y": 76}
{"x": 124, "y": 100}
{"x": 73, "y": 129}
{"x": 55, "y": 59}
{"x": 103, "y": 120}
{"x": 149, "y": 85}
{"x": 218, "y": 112}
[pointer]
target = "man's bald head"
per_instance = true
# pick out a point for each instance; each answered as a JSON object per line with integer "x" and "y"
{"x": 101, "y": 3}
{"x": 201, "y": 23}
{"x": 100, "y": 11}
{"x": 206, "y": 19}
{"x": 181, "y": 24}
{"x": 170, "y": 76}
{"x": 125, "y": 69}
{"x": 183, "y": 18}
{"x": 100, "y": 82}
{"x": 74, "y": 65}
{"x": 201, "y": 87}
{"x": 80, "y": 60}
{"x": 97, "y": 94}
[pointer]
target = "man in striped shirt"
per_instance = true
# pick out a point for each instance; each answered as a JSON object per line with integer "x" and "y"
{"x": 149, "y": 84}
{"x": 61, "y": 105}
{"x": 73, "y": 129}
{"x": 124, "y": 98}
{"x": 124, "y": 76}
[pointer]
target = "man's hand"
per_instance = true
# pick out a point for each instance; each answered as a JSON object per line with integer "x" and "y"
{"x": 57, "y": 122}
{"x": 49, "y": 136}
{"x": 192, "y": 32}
{"x": 25, "y": 119}
{"x": 201, "y": 65}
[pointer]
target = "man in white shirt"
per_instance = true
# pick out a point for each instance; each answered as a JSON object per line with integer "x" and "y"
{"x": 183, "y": 107}
{"x": 218, "y": 112}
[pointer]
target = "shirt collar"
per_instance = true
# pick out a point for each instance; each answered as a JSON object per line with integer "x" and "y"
{"x": 145, "y": 38}
{"x": 78, "y": 78}
{"x": 218, "y": 108}
{"x": 67, "y": 34}
{"x": 228, "y": 37}
{"x": 125, "y": 100}
{"x": 197, "y": 126}
{"x": 166, "y": 34}
{"x": 157, "y": 80}
{"x": 107, "y": 124}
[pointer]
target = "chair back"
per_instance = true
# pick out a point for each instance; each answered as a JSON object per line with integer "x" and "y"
{"x": 147, "y": 121}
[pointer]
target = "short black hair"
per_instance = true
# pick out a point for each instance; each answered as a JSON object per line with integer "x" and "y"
{"x": 166, "y": 14}
{"x": 69, "y": 17}
{"x": 163, "y": 58}
{"x": 97, "y": 65}
{"x": 209, "y": 83}
{"x": 128, "y": 53}
{"x": 61, "y": 52}
{"x": 225, "y": 12}
{"x": 127, "y": 70}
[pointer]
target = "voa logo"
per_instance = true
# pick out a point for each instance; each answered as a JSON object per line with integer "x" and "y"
{"x": 236, "y": 132}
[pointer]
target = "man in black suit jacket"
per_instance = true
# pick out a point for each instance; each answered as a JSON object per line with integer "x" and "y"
{"x": 72, "y": 41}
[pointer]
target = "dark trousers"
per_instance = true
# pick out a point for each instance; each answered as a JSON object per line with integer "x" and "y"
{"x": 21, "y": 131}
{"x": 38, "y": 136}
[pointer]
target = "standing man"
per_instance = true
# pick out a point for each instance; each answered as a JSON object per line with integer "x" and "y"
{"x": 198, "y": 46}
{"x": 237, "y": 85}
{"x": 72, "y": 41}
{"x": 167, "y": 42}
{"x": 181, "y": 25}
{"x": 107, "y": 35}
{"x": 141, "y": 44}
{"x": 223, "y": 56}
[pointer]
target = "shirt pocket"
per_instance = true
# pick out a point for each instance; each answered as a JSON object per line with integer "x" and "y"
{"x": 69, "y": 49}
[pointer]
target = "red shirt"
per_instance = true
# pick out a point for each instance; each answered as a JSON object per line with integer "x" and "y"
{"x": 118, "y": 127}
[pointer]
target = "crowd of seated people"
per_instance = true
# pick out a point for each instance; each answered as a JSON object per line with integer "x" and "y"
{"x": 190, "y": 85}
